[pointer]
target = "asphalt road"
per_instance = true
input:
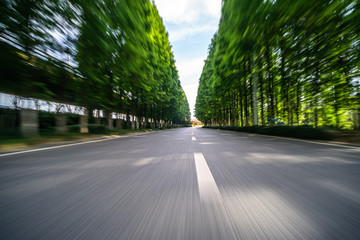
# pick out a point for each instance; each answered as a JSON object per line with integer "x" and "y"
{"x": 188, "y": 183}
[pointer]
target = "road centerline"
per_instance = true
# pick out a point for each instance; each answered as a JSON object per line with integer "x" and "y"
{"x": 208, "y": 190}
{"x": 193, "y": 138}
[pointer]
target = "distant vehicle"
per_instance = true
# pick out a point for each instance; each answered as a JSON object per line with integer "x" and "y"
{"x": 275, "y": 121}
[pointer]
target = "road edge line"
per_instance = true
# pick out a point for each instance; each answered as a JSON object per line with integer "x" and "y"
{"x": 72, "y": 144}
{"x": 299, "y": 140}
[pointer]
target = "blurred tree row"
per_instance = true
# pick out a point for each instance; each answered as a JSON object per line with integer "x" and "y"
{"x": 122, "y": 59}
{"x": 289, "y": 62}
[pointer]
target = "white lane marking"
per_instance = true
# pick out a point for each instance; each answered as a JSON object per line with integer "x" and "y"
{"x": 193, "y": 138}
{"x": 214, "y": 205}
{"x": 208, "y": 189}
{"x": 192, "y": 133}
{"x": 68, "y": 145}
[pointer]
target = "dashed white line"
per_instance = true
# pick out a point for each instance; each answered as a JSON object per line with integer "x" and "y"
{"x": 208, "y": 189}
{"x": 193, "y": 138}
{"x": 212, "y": 201}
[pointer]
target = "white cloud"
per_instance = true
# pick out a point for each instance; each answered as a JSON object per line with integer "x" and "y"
{"x": 174, "y": 11}
{"x": 214, "y": 8}
{"x": 190, "y": 71}
{"x": 190, "y": 91}
{"x": 185, "y": 32}
{"x": 187, "y": 20}
{"x": 188, "y": 10}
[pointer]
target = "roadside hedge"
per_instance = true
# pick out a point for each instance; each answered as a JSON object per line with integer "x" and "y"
{"x": 93, "y": 128}
{"x": 283, "y": 131}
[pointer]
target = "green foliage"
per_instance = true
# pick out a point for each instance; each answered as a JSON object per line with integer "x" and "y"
{"x": 72, "y": 119}
{"x": 98, "y": 129}
{"x": 297, "y": 61}
{"x": 93, "y": 129}
{"x": 10, "y": 133}
{"x": 124, "y": 61}
{"x": 47, "y": 121}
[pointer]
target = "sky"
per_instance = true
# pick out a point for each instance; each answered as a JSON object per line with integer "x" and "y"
{"x": 191, "y": 24}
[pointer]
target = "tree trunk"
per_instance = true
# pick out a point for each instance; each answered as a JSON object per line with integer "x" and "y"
{"x": 261, "y": 89}
{"x": 316, "y": 89}
{"x": 128, "y": 122}
{"x": 84, "y": 128}
{"x": 254, "y": 94}
{"x": 241, "y": 108}
{"x": 246, "y": 107}
{"x": 29, "y": 122}
{"x": 298, "y": 99}
{"x": 270, "y": 85}
{"x": 61, "y": 123}
{"x": 109, "y": 120}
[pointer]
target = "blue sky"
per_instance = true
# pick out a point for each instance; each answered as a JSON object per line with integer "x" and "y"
{"x": 191, "y": 25}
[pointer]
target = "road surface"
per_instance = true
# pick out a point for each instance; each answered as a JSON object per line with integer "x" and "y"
{"x": 188, "y": 183}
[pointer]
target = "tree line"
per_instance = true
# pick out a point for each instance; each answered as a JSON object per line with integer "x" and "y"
{"x": 283, "y": 62}
{"x": 121, "y": 58}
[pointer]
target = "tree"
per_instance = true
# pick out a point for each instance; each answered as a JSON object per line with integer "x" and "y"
{"x": 298, "y": 64}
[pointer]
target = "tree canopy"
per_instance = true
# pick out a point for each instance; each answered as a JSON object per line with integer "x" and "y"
{"x": 123, "y": 60}
{"x": 290, "y": 62}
